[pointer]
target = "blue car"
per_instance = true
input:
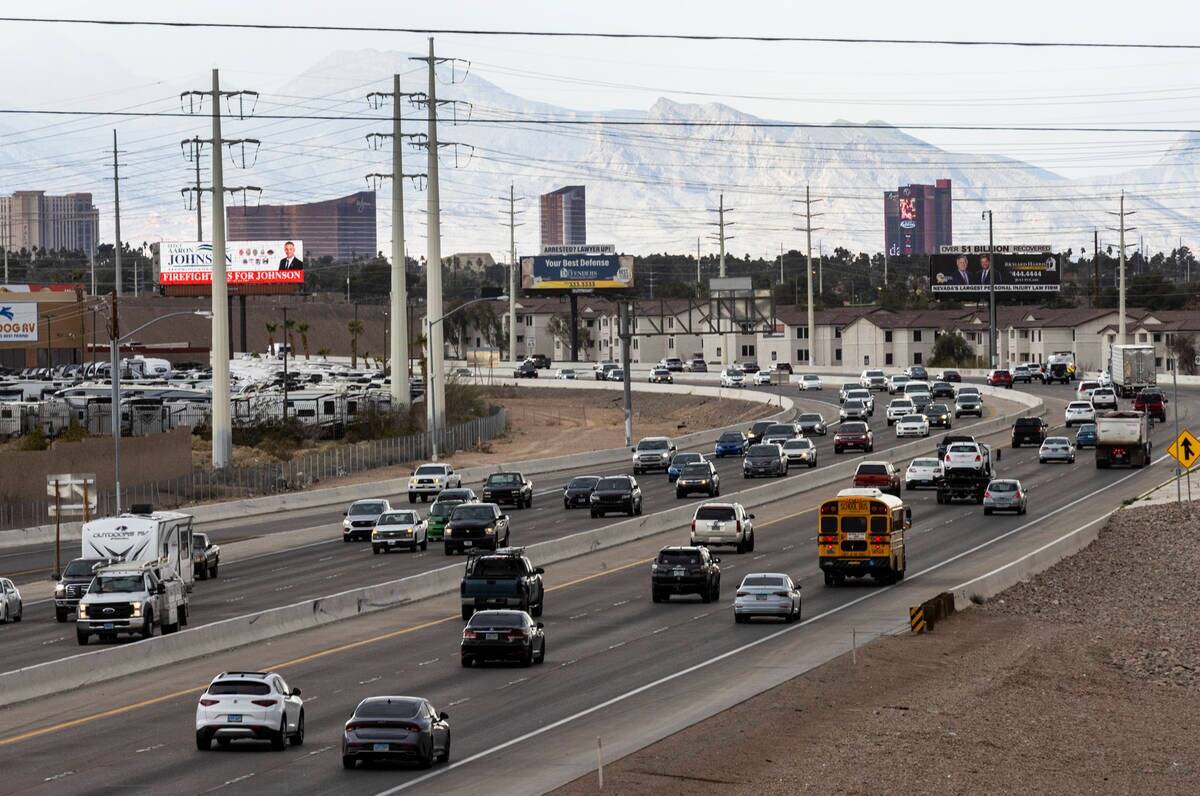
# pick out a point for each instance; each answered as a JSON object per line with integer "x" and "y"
{"x": 680, "y": 461}
{"x": 1085, "y": 437}
{"x": 731, "y": 443}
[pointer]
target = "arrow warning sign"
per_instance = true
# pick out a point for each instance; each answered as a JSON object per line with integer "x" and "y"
{"x": 1185, "y": 449}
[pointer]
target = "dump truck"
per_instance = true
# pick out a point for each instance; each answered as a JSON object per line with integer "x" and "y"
{"x": 1122, "y": 438}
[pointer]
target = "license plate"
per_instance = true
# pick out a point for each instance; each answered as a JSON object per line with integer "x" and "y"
{"x": 856, "y": 537}
{"x": 467, "y": 544}
{"x": 490, "y": 636}
{"x": 108, "y": 625}
{"x": 380, "y": 747}
{"x": 760, "y": 597}
{"x": 234, "y": 718}
{"x": 716, "y": 526}
{"x": 679, "y": 573}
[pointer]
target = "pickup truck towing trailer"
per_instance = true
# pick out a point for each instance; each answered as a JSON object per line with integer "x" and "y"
{"x": 1122, "y": 438}
{"x": 141, "y": 535}
{"x": 1131, "y": 368}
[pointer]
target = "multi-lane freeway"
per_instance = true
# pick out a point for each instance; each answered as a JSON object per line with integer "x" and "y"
{"x": 618, "y": 665}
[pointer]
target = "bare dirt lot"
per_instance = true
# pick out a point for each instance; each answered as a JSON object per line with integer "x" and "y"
{"x": 1084, "y": 680}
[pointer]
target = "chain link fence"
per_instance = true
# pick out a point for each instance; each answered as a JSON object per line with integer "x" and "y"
{"x": 302, "y": 472}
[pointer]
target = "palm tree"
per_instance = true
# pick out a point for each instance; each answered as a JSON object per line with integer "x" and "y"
{"x": 355, "y": 328}
{"x": 289, "y": 326}
{"x": 302, "y": 328}
{"x": 272, "y": 328}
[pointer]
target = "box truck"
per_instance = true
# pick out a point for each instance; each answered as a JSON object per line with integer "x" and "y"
{"x": 1131, "y": 368}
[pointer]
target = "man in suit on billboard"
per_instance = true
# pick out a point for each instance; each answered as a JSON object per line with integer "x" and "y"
{"x": 985, "y": 269}
{"x": 960, "y": 276}
{"x": 290, "y": 261}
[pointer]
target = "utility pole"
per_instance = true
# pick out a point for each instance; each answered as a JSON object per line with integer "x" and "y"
{"x": 398, "y": 314}
{"x": 222, "y": 427}
{"x": 720, "y": 224}
{"x": 114, "y": 358}
{"x": 698, "y": 282}
{"x": 781, "y": 263}
{"x": 514, "y": 272}
{"x": 625, "y": 331}
{"x": 992, "y": 358}
{"x": 116, "y": 217}
{"x": 1095, "y": 267}
{"x": 1122, "y": 229}
{"x": 808, "y": 231}
{"x": 286, "y": 340}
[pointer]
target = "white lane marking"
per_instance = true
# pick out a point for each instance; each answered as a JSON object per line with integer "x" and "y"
{"x": 618, "y": 644}
{"x": 764, "y": 555}
{"x": 323, "y": 748}
{"x": 660, "y": 630}
{"x": 150, "y": 748}
{"x": 787, "y": 547}
{"x": 518, "y": 681}
{"x": 458, "y": 702}
{"x": 426, "y": 663}
{"x": 236, "y": 780}
{"x": 374, "y": 679}
{"x": 324, "y": 558}
{"x": 59, "y": 775}
{"x": 747, "y": 646}
{"x": 285, "y": 588}
{"x": 236, "y": 599}
{"x": 623, "y": 602}
{"x": 53, "y": 640}
{"x": 700, "y": 616}
{"x": 577, "y": 616}
{"x": 568, "y": 663}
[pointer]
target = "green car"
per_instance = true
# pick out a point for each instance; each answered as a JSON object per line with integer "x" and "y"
{"x": 439, "y": 512}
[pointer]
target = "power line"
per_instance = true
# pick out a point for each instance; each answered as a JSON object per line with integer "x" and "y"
{"x": 758, "y": 38}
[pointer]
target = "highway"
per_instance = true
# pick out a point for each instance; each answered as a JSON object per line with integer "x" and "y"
{"x": 317, "y": 569}
{"x": 613, "y": 659}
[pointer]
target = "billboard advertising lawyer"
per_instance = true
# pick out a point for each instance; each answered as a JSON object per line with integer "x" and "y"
{"x": 1013, "y": 273}
{"x": 247, "y": 262}
{"x": 577, "y": 272}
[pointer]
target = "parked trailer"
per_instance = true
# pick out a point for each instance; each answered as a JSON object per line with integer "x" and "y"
{"x": 1122, "y": 438}
{"x": 1131, "y": 368}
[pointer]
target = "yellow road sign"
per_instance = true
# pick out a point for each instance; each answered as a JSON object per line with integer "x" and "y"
{"x": 1185, "y": 449}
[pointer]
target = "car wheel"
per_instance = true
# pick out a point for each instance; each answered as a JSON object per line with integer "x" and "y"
{"x": 656, "y": 596}
{"x": 412, "y": 498}
{"x": 527, "y": 657}
{"x": 203, "y": 741}
{"x": 375, "y": 549}
{"x": 298, "y": 736}
{"x": 639, "y": 508}
{"x": 987, "y": 511}
{"x": 81, "y": 636}
{"x": 425, "y": 543}
{"x": 444, "y": 757}
{"x": 467, "y": 661}
{"x": 595, "y": 515}
{"x": 750, "y": 548}
{"x": 1040, "y": 460}
{"x": 566, "y": 505}
{"x": 739, "y": 618}
{"x": 425, "y": 757}
{"x": 467, "y": 612}
{"x": 60, "y": 614}
{"x": 541, "y": 658}
{"x": 679, "y": 495}
{"x": 279, "y": 739}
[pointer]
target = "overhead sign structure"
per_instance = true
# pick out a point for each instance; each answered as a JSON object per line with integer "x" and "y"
{"x": 999, "y": 248}
{"x": 73, "y": 493}
{"x": 19, "y": 322}
{"x": 1185, "y": 449}
{"x": 582, "y": 273}
{"x": 247, "y": 262}
{"x": 580, "y": 248}
{"x": 1013, "y": 272}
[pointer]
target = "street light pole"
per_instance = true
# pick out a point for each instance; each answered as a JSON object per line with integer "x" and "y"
{"x": 992, "y": 356}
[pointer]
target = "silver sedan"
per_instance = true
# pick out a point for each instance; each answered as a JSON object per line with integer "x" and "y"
{"x": 767, "y": 594}
{"x": 1057, "y": 449}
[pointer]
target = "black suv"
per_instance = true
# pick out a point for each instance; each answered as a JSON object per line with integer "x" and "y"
{"x": 540, "y": 361}
{"x": 73, "y": 584}
{"x": 754, "y": 435}
{"x": 617, "y": 493}
{"x": 685, "y": 570}
{"x": 698, "y": 477}
{"x": 475, "y": 525}
{"x": 508, "y": 489}
{"x": 578, "y": 493}
{"x": 502, "y": 579}
{"x": 526, "y": 370}
{"x": 764, "y": 460}
{"x": 1028, "y": 429}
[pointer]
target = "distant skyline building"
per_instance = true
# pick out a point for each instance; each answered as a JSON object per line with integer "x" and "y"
{"x": 564, "y": 217}
{"x": 31, "y": 219}
{"x": 917, "y": 219}
{"x": 341, "y": 228}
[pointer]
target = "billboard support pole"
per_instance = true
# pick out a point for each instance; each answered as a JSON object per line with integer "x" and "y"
{"x": 433, "y": 258}
{"x": 992, "y": 354}
{"x": 513, "y": 275}
{"x": 574, "y": 328}
{"x": 398, "y": 319}
{"x": 116, "y": 218}
{"x": 626, "y": 334}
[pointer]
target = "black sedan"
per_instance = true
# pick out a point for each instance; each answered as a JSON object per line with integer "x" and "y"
{"x": 578, "y": 493}
{"x": 503, "y": 636}
{"x": 616, "y": 493}
{"x": 699, "y": 477}
{"x": 942, "y": 389}
{"x": 764, "y": 460}
{"x": 475, "y": 525}
{"x": 392, "y": 728}
{"x": 952, "y": 376}
{"x": 939, "y": 415}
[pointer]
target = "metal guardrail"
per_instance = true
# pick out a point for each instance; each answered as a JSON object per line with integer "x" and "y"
{"x": 302, "y": 472}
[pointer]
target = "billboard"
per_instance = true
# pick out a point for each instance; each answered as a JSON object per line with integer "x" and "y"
{"x": 19, "y": 322}
{"x": 1013, "y": 273}
{"x": 247, "y": 262}
{"x": 582, "y": 273}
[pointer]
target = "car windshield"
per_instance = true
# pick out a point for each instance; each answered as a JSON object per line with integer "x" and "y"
{"x": 924, "y": 463}
{"x": 811, "y": 418}
{"x": 498, "y": 567}
{"x": 968, "y": 399}
{"x": 859, "y": 394}
{"x": 722, "y": 513}
{"x": 780, "y": 430}
{"x": 872, "y": 469}
{"x": 939, "y": 409}
{"x": 443, "y": 508}
{"x": 612, "y": 483}
{"x": 968, "y": 390}
{"x": 399, "y": 518}
{"x": 686, "y": 458}
{"x": 497, "y": 619}
{"x": 679, "y": 558}
{"x": 111, "y": 584}
{"x": 248, "y": 687}
{"x": 854, "y": 428}
{"x": 963, "y": 448}
{"x": 584, "y": 482}
{"x": 371, "y": 508}
{"x": 80, "y": 567}
{"x": 854, "y": 403}
{"x": 731, "y": 436}
{"x": 468, "y": 511}
{"x": 1002, "y": 486}
{"x": 1079, "y": 405}
{"x": 904, "y": 404}
{"x": 912, "y": 419}
{"x": 430, "y": 469}
{"x": 763, "y": 450}
{"x": 811, "y": 377}
{"x": 797, "y": 443}
{"x": 502, "y": 479}
{"x": 388, "y": 709}
{"x": 696, "y": 471}
{"x": 899, "y": 379}
{"x": 874, "y": 374}
{"x": 767, "y": 581}
{"x": 1088, "y": 429}
{"x": 1057, "y": 441}
{"x": 661, "y": 372}
{"x": 454, "y": 494}
{"x": 653, "y": 445}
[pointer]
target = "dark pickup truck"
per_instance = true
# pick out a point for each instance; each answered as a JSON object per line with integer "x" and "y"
{"x": 1153, "y": 403}
{"x": 502, "y": 579}
{"x": 1028, "y": 429}
{"x": 206, "y": 557}
{"x": 508, "y": 489}
{"x": 474, "y": 526}
{"x": 526, "y": 370}
{"x": 73, "y": 584}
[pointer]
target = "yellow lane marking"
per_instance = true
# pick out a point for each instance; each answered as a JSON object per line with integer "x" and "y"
{"x": 66, "y": 725}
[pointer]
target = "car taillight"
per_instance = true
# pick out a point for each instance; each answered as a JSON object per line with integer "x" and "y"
{"x": 978, "y": 459}
{"x": 781, "y": 594}
{"x": 743, "y": 594}
{"x": 264, "y": 703}
{"x": 987, "y": 494}
{"x": 518, "y": 633}
{"x": 947, "y": 458}
{"x": 208, "y": 703}
{"x": 879, "y": 540}
{"x": 827, "y": 539}
{"x": 1019, "y": 495}
{"x": 470, "y": 634}
{"x": 739, "y": 526}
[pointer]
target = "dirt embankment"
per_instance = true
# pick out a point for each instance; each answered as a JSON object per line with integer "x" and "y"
{"x": 1084, "y": 680}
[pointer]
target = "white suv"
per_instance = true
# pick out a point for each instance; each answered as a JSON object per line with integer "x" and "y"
{"x": 731, "y": 377}
{"x": 653, "y": 453}
{"x": 430, "y": 479}
{"x": 898, "y": 408}
{"x": 249, "y": 705}
{"x": 723, "y": 524}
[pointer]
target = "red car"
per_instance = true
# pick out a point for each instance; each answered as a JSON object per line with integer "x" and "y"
{"x": 880, "y": 475}
{"x": 1000, "y": 378}
{"x": 1153, "y": 403}
{"x": 853, "y": 435}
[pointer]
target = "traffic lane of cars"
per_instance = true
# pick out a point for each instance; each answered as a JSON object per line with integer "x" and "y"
{"x": 603, "y": 637}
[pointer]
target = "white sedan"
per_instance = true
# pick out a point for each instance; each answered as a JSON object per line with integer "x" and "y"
{"x": 661, "y": 376}
{"x": 565, "y": 373}
{"x": 763, "y": 377}
{"x": 733, "y": 378}
{"x": 922, "y": 472}
{"x": 912, "y": 426}
{"x": 399, "y": 529}
{"x": 811, "y": 381}
{"x": 766, "y": 594}
{"x": 1079, "y": 412}
{"x": 1057, "y": 449}
{"x": 11, "y": 608}
{"x": 800, "y": 450}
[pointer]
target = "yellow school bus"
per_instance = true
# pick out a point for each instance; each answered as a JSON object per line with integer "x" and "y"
{"x": 861, "y": 532}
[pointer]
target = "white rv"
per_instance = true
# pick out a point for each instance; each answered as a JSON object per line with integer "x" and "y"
{"x": 163, "y": 536}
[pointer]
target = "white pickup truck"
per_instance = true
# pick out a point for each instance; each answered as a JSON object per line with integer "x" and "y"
{"x": 898, "y": 408}
{"x": 131, "y": 598}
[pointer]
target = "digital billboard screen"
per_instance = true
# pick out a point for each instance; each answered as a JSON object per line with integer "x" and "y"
{"x": 247, "y": 262}
{"x": 972, "y": 272}
{"x": 577, "y": 272}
